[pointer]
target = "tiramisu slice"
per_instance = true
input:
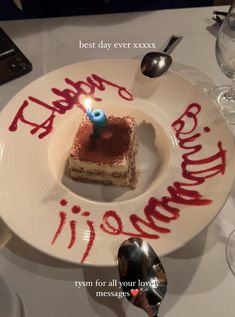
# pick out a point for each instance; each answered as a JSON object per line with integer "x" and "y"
{"x": 108, "y": 159}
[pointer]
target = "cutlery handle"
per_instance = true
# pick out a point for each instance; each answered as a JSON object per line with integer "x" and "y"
{"x": 155, "y": 310}
{"x": 171, "y": 44}
{"x": 217, "y": 16}
{"x": 222, "y": 13}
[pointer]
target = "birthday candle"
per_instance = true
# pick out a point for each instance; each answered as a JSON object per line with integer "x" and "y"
{"x": 96, "y": 116}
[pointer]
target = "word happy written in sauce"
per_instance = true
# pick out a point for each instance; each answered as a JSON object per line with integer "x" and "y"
{"x": 160, "y": 211}
{"x": 69, "y": 97}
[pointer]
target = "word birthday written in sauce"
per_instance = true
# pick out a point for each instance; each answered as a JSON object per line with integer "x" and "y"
{"x": 158, "y": 212}
{"x": 68, "y": 98}
{"x": 75, "y": 211}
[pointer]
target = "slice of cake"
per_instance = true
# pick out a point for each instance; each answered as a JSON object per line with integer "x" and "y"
{"x": 109, "y": 159}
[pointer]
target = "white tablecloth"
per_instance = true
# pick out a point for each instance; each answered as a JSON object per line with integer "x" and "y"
{"x": 200, "y": 282}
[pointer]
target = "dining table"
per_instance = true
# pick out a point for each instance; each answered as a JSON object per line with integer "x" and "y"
{"x": 200, "y": 282}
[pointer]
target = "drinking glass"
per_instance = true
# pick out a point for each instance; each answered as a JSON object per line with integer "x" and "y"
{"x": 225, "y": 95}
{"x": 225, "y": 55}
{"x": 230, "y": 251}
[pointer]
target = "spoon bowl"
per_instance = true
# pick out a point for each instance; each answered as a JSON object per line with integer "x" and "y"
{"x": 142, "y": 275}
{"x": 154, "y": 64}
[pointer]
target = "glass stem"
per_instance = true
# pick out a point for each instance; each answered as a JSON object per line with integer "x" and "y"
{"x": 233, "y": 88}
{"x": 230, "y": 95}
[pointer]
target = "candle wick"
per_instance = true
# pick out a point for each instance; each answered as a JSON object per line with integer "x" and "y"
{"x": 96, "y": 113}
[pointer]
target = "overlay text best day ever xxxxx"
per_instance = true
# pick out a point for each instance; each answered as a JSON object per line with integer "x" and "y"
{"x": 108, "y": 45}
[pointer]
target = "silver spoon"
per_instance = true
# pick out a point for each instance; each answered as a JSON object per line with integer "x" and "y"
{"x": 142, "y": 275}
{"x": 154, "y": 64}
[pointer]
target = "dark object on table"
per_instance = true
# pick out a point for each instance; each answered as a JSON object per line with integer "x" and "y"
{"x": 13, "y": 63}
{"x": 219, "y": 16}
{"x": 52, "y": 8}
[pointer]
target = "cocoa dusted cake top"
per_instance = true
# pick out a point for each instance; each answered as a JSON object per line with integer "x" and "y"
{"x": 112, "y": 145}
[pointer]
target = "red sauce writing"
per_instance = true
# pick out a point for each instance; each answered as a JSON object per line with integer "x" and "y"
{"x": 159, "y": 212}
{"x": 73, "y": 224}
{"x": 151, "y": 223}
{"x": 67, "y": 99}
{"x": 75, "y": 210}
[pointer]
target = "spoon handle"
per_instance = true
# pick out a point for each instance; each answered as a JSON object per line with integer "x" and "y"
{"x": 171, "y": 44}
{"x": 155, "y": 310}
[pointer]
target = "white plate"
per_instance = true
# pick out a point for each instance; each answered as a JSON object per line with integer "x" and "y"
{"x": 36, "y": 195}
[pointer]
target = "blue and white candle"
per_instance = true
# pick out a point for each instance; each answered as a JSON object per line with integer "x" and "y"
{"x": 96, "y": 116}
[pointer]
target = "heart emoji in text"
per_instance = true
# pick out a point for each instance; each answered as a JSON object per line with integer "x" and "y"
{"x": 134, "y": 292}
